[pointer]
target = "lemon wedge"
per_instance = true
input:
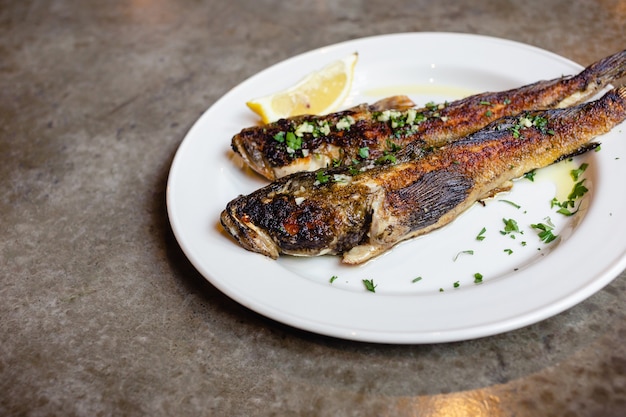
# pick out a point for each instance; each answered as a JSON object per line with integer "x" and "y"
{"x": 320, "y": 92}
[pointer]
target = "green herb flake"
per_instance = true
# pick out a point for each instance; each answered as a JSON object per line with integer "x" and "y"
{"x": 481, "y": 235}
{"x": 416, "y": 279}
{"x": 478, "y": 278}
{"x": 456, "y": 284}
{"x": 510, "y": 226}
{"x": 321, "y": 177}
{"x": 466, "y": 252}
{"x": 530, "y": 175}
{"x": 508, "y": 251}
{"x": 364, "y": 152}
{"x": 369, "y": 285}
{"x": 517, "y": 206}
{"x": 545, "y": 230}
{"x": 292, "y": 141}
{"x": 576, "y": 173}
{"x": 333, "y": 278}
{"x": 279, "y": 137}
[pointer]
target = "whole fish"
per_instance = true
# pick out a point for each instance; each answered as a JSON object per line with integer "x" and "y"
{"x": 363, "y": 211}
{"x": 370, "y": 132}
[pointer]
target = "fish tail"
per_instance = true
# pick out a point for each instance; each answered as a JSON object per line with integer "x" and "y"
{"x": 605, "y": 70}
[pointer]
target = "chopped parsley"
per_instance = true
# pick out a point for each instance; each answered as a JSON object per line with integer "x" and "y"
{"x": 456, "y": 284}
{"x": 369, "y": 285}
{"x": 510, "y": 227}
{"x": 568, "y": 207}
{"x": 530, "y": 175}
{"x": 508, "y": 251}
{"x": 416, "y": 279}
{"x": 467, "y": 252}
{"x": 333, "y": 278}
{"x": 364, "y": 152}
{"x": 279, "y": 137}
{"x": 293, "y": 142}
{"x": 517, "y": 206}
{"x": 478, "y": 278}
{"x": 481, "y": 234}
{"x": 321, "y": 177}
{"x": 545, "y": 230}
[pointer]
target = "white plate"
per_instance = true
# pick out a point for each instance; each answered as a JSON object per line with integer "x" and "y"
{"x": 534, "y": 282}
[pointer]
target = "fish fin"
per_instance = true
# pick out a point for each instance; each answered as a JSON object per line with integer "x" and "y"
{"x": 429, "y": 201}
{"x": 392, "y": 103}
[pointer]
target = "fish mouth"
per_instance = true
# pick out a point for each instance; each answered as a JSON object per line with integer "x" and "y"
{"x": 253, "y": 157}
{"x": 247, "y": 234}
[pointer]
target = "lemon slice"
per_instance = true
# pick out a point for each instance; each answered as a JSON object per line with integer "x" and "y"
{"x": 320, "y": 92}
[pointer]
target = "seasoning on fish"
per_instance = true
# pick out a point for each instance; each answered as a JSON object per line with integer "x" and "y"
{"x": 307, "y": 143}
{"x": 361, "y": 212}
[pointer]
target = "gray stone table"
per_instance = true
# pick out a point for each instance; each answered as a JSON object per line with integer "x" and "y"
{"x": 101, "y": 314}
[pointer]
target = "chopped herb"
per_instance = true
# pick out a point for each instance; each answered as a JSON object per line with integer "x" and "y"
{"x": 576, "y": 173}
{"x": 333, "y": 278}
{"x": 488, "y": 113}
{"x": 478, "y": 278}
{"x": 508, "y": 251}
{"x": 321, "y": 177}
{"x": 440, "y": 289}
{"x": 485, "y": 103}
{"x": 517, "y": 206}
{"x": 506, "y": 101}
{"x": 279, "y": 137}
{"x": 530, "y": 175}
{"x": 369, "y": 285}
{"x": 364, "y": 152}
{"x": 386, "y": 159}
{"x": 545, "y": 230}
{"x": 456, "y": 284}
{"x": 578, "y": 191}
{"x": 293, "y": 142}
{"x": 467, "y": 252}
{"x": 510, "y": 226}
{"x": 416, "y": 279}
{"x": 481, "y": 235}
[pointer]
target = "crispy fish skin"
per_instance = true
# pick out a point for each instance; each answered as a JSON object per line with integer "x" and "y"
{"x": 340, "y": 138}
{"x": 365, "y": 213}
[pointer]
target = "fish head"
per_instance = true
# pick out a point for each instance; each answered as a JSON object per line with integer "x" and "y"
{"x": 253, "y": 155}
{"x": 246, "y": 233}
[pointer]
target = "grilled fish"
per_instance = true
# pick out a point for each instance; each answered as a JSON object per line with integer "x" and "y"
{"x": 361, "y": 212}
{"x": 364, "y": 132}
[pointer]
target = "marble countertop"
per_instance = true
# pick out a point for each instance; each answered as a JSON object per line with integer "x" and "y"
{"x": 102, "y": 314}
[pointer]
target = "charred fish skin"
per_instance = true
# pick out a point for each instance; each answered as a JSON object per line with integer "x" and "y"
{"x": 307, "y": 143}
{"x": 363, "y": 214}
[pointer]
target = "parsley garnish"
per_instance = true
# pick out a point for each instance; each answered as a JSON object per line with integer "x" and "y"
{"x": 478, "y": 278}
{"x": 293, "y": 142}
{"x": 321, "y": 177}
{"x": 279, "y": 137}
{"x": 364, "y": 152}
{"x": 456, "y": 284}
{"x": 511, "y": 203}
{"x": 369, "y": 285}
{"x": 508, "y": 251}
{"x": 545, "y": 230}
{"x": 386, "y": 159}
{"x": 530, "y": 175}
{"x": 481, "y": 235}
{"x": 510, "y": 227}
{"x": 416, "y": 279}
{"x": 467, "y": 252}
{"x": 333, "y": 278}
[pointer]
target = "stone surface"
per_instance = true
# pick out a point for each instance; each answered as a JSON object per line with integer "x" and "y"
{"x": 100, "y": 312}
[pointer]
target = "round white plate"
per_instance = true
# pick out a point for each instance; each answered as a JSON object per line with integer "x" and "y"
{"x": 425, "y": 290}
